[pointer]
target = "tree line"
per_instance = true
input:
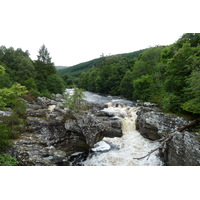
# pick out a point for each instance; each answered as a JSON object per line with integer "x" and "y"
{"x": 39, "y": 77}
{"x": 166, "y": 75}
{"x": 22, "y": 78}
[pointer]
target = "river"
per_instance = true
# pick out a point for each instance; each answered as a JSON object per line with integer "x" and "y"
{"x": 120, "y": 151}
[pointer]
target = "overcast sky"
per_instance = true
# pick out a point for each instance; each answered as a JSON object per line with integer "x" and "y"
{"x": 75, "y": 31}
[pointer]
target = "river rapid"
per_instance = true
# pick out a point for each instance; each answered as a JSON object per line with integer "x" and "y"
{"x": 120, "y": 151}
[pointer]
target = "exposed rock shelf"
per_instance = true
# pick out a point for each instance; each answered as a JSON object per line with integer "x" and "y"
{"x": 52, "y": 137}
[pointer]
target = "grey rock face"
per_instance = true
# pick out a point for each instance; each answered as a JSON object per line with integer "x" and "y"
{"x": 5, "y": 113}
{"x": 52, "y": 136}
{"x": 183, "y": 149}
{"x": 154, "y": 124}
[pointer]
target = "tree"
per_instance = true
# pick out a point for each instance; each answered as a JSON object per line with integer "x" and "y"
{"x": 69, "y": 80}
{"x": 193, "y": 91}
{"x": 2, "y": 70}
{"x": 55, "y": 84}
{"x": 44, "y": 55}
{"x": 10, "y": 97}
{"x": 180, "y": 62}
{"x": 142, "y": 87}
{"x": 126, "y": 86}
{"x": 75, "y": 102}
{"x": 47, "y": 79}
{"x": 25, "y": 69}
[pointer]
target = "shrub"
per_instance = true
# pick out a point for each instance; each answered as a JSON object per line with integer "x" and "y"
{"x": 7, "y": 160}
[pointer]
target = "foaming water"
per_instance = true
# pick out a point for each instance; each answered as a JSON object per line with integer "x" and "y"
{"x": 130, "y": 145}
{"x": 120, "y": 151}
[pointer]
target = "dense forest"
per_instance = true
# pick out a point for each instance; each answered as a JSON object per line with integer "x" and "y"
{"x": 168, "y": 76}
{"x": 71, "y": 74}
{"x": 76, "y": 70}
{"x": 40, "y": 76}
{"x": 22, "y": 79}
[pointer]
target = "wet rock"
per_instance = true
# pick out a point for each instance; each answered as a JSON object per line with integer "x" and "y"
{"x": 113, "y": 128}
{"x": 5, "y": 113}
{"x": 183, "y": 149}
{"x": 153, "y": 124}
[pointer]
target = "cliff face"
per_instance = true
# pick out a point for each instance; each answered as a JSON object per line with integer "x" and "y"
{"x": 51, "y": 136}
{"x": 184, "y": 147}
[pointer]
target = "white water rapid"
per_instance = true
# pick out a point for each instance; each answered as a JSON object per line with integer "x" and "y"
{"x": 130, "y": 145}
{"x": 120, "y": 151}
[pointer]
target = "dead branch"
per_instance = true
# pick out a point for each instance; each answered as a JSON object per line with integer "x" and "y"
{"x": 148, "y": 153}
{"x": 192, "y": 123}
{"x": 162, "y": 146}
{"x": 163, "y": 141}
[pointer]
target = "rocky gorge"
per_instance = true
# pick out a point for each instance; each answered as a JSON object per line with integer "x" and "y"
{"x": 52, "y": 137}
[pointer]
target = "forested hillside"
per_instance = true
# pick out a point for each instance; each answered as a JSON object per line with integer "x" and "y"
{"x": 168, "y": 76}
{"x": 76, "y": 70}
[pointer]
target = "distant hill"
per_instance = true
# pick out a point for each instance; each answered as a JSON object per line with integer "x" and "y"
{"x": 76, "y": 70}
{"x": 60, "y": 67}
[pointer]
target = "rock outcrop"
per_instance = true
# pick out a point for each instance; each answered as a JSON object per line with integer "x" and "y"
{"x": 52, "y": 136}
{"x": 183, "y": 149}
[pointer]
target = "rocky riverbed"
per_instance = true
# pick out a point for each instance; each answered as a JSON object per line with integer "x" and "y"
{"x": 52, "y": 136}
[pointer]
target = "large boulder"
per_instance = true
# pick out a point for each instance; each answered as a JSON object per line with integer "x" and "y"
{"x": 153, "y": 124}
{"x": 183, "y": 148}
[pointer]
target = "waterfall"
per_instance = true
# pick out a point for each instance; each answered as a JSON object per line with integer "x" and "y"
{"x": 121, "y": 151}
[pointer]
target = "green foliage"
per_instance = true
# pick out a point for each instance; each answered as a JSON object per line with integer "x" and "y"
{"x": 76, "y": 70}
{"x": 69, "y": 80}
{"x": 142, "y": 87}
{"x": 12, "y": 124}
{"x": 47, "y": 79}
{"x": 55, "y": 84}
{"x": 7, "y": 160}
{"x": 106, "y": 76}
{"x": 75, "y": 103}
{"x": 9, "y": 95}
{"x": 193, "y": 90}
{"x": 168, "y": 76}
{"x": 35, "y": 75}
{"x": 19, "y": 107}
{"x": 126, "y": 86}
{"x": 17, "y": 74}
{"x": 6, "y": 133}
{"x": 5, "y": 80}
{"x": 2, "y": 70}
{"x": 181, "y": 60}
{"x": 25, "y": 69}
{"x": 44, "y": 56}
{"x": 30, "y": 84}
{"x": 17, "y": 64}
{"x": 171, "y": 102}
